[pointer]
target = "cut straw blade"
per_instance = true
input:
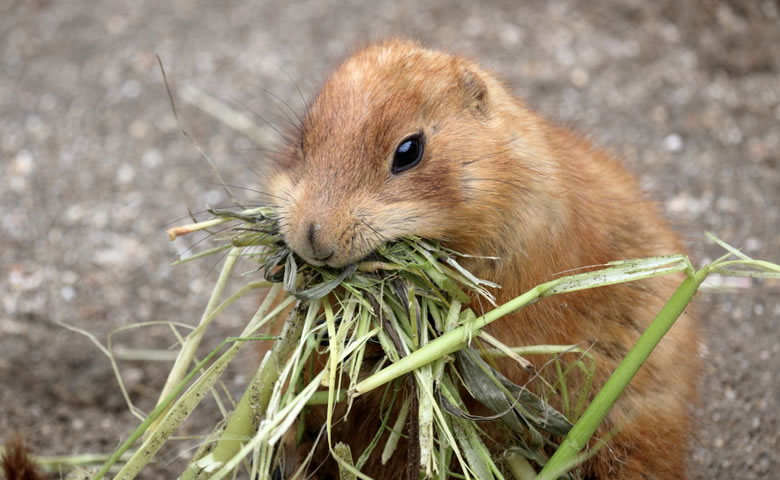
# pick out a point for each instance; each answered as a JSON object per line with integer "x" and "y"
{"x": 733, "y": 250}
{"x": 395, "y": 434}
{"x": 622, "y": 271}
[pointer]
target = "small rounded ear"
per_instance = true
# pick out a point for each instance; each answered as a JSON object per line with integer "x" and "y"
{"x": 475, "y": 92}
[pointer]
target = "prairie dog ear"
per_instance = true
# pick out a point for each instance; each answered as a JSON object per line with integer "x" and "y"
{"x": 475, "y": 92}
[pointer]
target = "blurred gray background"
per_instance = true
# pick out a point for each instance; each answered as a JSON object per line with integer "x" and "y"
{"x": 93, "y": 167}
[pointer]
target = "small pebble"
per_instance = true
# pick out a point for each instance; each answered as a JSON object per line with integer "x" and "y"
{"x": 673, "y": 143}
{"x": 730, "y": 394}
{"x": 125, "y": 174}
{"x": 68, "y": 293}
{"x": 753, "y": 244}
{"x": 579, "y": 77}
{"x": 131, "y": 89}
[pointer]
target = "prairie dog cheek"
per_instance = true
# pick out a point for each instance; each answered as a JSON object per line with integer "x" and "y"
{"x": 426, "y": 218}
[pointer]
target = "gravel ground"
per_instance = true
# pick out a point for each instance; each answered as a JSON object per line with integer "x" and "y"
{"x": 93, "y": 167}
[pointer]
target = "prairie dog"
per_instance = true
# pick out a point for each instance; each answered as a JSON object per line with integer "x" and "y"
{"x": 406, "y": 140}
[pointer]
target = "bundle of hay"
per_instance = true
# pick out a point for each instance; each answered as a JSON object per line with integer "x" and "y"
{"x": 410, "y": 298}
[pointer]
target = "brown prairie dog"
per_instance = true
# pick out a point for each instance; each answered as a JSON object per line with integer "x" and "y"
{"x": 406, "y": 140}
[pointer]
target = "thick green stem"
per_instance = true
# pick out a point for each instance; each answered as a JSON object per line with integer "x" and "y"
{"x": 583, "y": 430}
{"x": 243, "y": 422}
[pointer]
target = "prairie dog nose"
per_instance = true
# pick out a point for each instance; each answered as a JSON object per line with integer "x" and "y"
{"x": 320, "y": 250}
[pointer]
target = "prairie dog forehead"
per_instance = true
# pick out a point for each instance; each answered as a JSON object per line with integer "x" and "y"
{"x": 402, "y": 64}
{"x": 380, "y": 93}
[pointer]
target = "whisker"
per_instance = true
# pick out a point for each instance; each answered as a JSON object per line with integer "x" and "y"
{"x": 185, "y": 132}
{"x": 379, "y": 235}
{"x": 285, "y": 137}
{"x": 259, "y": 192}
{"x": 487, "y": 156}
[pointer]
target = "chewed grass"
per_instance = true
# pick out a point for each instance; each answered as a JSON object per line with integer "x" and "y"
{"x": 401, "y": 298}
{"x": 410, "y": 301}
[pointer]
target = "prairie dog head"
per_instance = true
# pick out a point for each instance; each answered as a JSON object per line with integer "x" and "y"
{"x": 400, "y": 140}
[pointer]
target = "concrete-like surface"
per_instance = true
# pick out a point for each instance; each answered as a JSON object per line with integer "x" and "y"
{"x": 93, "y": 167}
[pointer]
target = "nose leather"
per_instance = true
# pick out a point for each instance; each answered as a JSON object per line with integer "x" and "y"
{"x": 318, "y": 251}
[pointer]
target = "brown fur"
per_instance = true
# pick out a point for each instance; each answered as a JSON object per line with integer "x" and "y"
{"x": 496, "y": 179}
{"x": 17, "y": 464}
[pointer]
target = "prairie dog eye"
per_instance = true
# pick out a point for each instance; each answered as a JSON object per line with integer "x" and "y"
{"x": 408, "y": 154}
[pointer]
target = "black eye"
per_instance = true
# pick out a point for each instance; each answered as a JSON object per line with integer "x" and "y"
{"x": 408, "y": 154}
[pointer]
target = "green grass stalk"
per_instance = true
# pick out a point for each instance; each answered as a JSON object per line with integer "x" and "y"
{"x": 158, "y": 412}
{"x": 243, "y": 422}
{"x": 519, "y": 467}
{"x": 458, "y": 338}
{"x": 564, "y": 457}
{"x": 187, "y": 352}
